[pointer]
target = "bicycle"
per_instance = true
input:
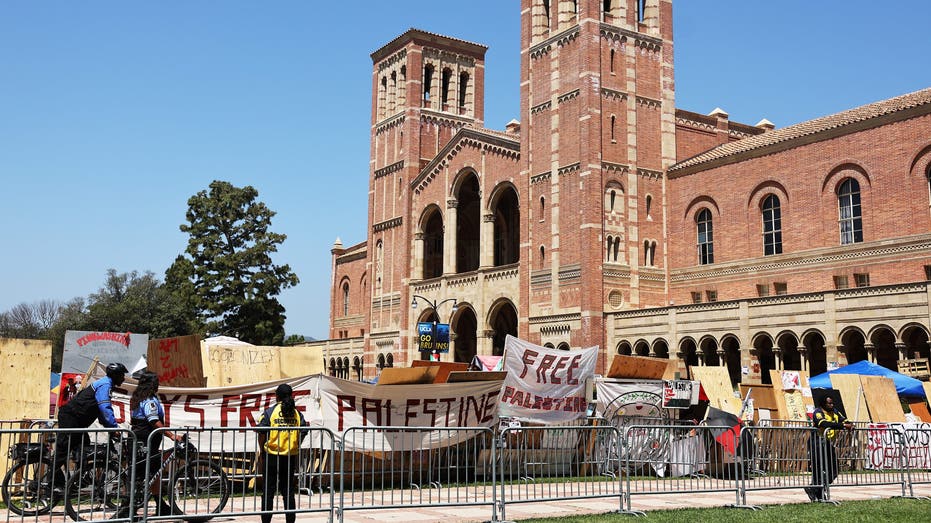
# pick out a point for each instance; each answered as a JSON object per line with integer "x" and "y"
{"x": 28, "y": 487}
{"x": 192, "y": 479}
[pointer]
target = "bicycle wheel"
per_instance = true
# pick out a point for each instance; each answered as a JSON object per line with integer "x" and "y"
{"x": 199, "y": 487}
{"x": 27, "y": 489}
{"x": 97, "y": 494}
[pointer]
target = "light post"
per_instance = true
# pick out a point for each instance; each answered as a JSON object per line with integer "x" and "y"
{"x": 436, "y": 314}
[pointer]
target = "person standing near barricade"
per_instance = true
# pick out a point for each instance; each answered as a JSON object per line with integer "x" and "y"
{"x": 92, "y": 403}
{"x": 278, "y": 453}
{"x": 822, "y": 453}
{"x": 147, "y": 415}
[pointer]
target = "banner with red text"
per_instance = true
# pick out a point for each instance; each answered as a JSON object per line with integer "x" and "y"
{"x": 894, "y": 445}
{"x": 81, "y": 347}
{"x": 329, "y": 403}
{"x": 544, "y": 385}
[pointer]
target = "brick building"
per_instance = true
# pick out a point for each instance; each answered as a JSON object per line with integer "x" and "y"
{"x": 607, "y": 216}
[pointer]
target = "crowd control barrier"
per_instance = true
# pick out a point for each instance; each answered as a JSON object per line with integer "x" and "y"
{"x": 215, "y": 472}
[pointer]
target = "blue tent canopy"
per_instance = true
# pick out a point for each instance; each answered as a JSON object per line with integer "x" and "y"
{"x": 904, "y": 386}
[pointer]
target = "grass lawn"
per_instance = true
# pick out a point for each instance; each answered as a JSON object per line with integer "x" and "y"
{"x": 897, "y": 510}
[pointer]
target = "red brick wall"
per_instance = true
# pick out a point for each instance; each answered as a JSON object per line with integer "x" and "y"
{"x": 894, "y": 200}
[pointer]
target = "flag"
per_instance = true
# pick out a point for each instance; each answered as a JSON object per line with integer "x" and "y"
{"x": 725, "y": 427}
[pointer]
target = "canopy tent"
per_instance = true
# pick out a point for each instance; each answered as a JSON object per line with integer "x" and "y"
{"x": 904, "y": 385}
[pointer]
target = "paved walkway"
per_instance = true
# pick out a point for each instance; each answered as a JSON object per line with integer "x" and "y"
{"x": 521, "y": 511}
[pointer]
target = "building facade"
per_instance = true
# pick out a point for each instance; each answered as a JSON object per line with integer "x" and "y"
{"x": 606, "y": 216}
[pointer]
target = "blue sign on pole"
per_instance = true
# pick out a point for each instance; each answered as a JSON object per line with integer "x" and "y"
{"x": 426, "y": 336}
{"x": 441, "y": 338}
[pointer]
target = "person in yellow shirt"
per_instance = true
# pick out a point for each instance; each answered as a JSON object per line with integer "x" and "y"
{"x": 279, "y": 453}
{"x": 823, "y": 455}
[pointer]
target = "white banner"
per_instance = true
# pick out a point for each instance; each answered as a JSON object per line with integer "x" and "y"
{"x": 887, "y": 441}
{"x": 329, "y": 403}
{"x": 545, "y": 385}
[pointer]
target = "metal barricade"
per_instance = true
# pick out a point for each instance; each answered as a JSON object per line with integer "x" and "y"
{"x": 208, "y": 472}
{"x": 679, "y": 459}
{"x": 402, "y": 467}
{"x": 917, "y": 443}
{"x": 778, "y": 458}
{"x": 64, "y": 471}
{"x": 540, "y": 464}
{"x": 867, "y": 456}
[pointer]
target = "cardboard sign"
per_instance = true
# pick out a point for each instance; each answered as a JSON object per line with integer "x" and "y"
{"x": 680, "y": 394}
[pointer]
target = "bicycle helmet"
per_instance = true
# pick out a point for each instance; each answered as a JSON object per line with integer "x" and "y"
{"x": 117, "y": 372}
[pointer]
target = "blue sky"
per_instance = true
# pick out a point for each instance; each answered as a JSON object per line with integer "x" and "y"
{"x": 112, "y": 114}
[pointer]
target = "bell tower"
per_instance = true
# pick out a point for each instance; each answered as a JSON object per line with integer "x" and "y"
{"x": 598, "y": 131}
{"x": 425, "y": 87}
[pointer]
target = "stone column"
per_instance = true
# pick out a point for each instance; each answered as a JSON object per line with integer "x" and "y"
{"x": 777, "y": 354}
{"x": 418, "y": 255}
{"x": 902, "y": 350}
{"x": 485, "y": 343}
{"x": 449, "y": 237}
{"x": 803, "y": 352}
{"x": 487, "y": 256}
{"x": 870, "y": 352}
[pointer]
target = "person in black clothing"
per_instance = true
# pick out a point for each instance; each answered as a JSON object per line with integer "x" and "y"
{"x": 92, "y": 403}
{"x": 821, "y": 449}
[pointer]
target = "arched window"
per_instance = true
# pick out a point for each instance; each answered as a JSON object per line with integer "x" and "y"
{"x": 649, "y": 205}
{"x": 542, "y": 255}
{"x": 641, "y": 6}
{"x": 562, "y": 346}
{"x": 705, "y": 237}
{"x": 542, "y": 208}
{"x": 850, "y": 220}
{"x": 611, "y": 68}
{"x": 772, "y": 226}
{"x": 346, "y": 299}
{"x": 427, "y": 81}
{"x": 444, "y": 87}
{"x": 463, "y": 88}
{"x": 379, "y": 260}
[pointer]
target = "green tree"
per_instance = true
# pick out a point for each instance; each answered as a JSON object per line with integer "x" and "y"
{"x": 227, "y": 274}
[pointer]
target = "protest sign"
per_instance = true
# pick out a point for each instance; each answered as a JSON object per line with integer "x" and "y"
{"x": 81, "y": 347}
{"x": 545, "y": 385}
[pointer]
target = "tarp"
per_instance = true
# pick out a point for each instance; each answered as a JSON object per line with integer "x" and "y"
{"x": 487, "y": 363}
{"x": 904, "y": 385}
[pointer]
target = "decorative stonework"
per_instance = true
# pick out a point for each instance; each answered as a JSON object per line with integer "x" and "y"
{"x": 611, "y": 94}
{"x": 390, "y": 122}
{"x": 649, "y": 173}
{"x": 568, "y": 36}
{"x": 542, "y": 177}
{"x": 448, "y": 57}
{"x": 542, "y": 277}
{"x": 615, "y": 167}
{"x": 388, "y": 224}
{"x": 695, "y": 124}
{"x": 570, "y": 273}
{"x": 555, "y": 318}
{"x": 571, "y": 95}
{"x": 545, "y": 106}
{"x": 619, "y": 34}
{"x": 553, "y": 330}
{"x": 569, "y": 169}
{"x": 384, "y": 171}
{"x": 389, "y": 62}
{"x": 649, "y": 102}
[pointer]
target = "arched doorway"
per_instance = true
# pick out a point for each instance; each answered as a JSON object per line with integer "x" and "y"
{"x": 816, "y": 353}
{"x": 763, "y": 345}
{"x": 433, "y": 245}
{"x": 503, "y": 322}
{"x": 507, "y": 228}
{"x": 884, "y": 346}
{"x": 788, "y": 349}
{"x": 853, "y": 343}
{"x": 661, "y": 349}
{"x": 642, "y": 348}
{"x": 731, "y": 347}
{"x": 915, "y": 338}
{"x": 689, "y": 355}
{"x": 468, "y": 225}
{"x": 465, "y": 331}
{"x": 709, "y": 352}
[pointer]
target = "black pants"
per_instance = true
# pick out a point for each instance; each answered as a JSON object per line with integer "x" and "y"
{"x": 67, "y": 443}
{"x": 279, "y": 475}
{"x": 823, "y": 457}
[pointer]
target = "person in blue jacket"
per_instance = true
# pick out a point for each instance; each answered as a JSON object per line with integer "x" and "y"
{"x": 92, "y": 403}
{"x": 148, "y": 414}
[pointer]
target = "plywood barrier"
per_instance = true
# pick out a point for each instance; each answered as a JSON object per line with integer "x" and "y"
{"x": 638, "y": 367}
{"x": 177, "y": 361}
{"x": 717, "y": 384}
{"x": 920, "y": 409}
{"x": 24, "y": 384}
{"x": 851, "y": 393}
{"x": 300, "y": 361}
{"x": 882, "y": 399}
{"x": 226, "y": 365}
{"x": 791, "y": 404}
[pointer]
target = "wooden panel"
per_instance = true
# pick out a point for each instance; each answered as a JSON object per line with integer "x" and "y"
{"x": 717, "y": 384}
{"x": 927, "y": 386}
{"x": 302, "y": 361}
{"x": 920, "y": 409}
{"x": 177, "y": 361}
{"x": 778, "y": 394}
{"x": 882, "y": 399}
{"x": 407, "y": 376}
{"x": 226, "y": 365}
{"x": 762, "y": 396}
{"x": 21, "y": 397}
{"x": 851, "y": 393}
{"x": 475, "y": 375}
{"x": 444, "y": 368}
{"x": 637, "y": 367}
